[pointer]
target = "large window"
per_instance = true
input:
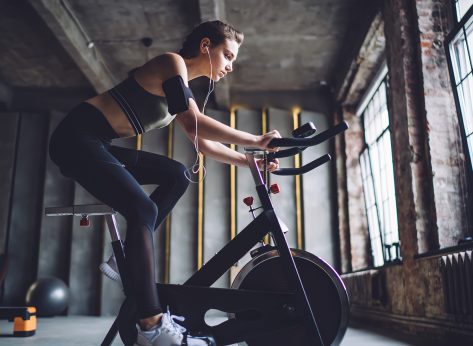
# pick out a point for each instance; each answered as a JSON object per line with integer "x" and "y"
{"x": 460, "y": 50}
{"x": 376, "y": 163}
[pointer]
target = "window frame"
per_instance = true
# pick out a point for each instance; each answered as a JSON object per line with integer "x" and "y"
{"x": 457, "y": 28}
{"x": 365, "y": 198}
{"x": 380, "y": 77}
{"x": 454, "y": 11}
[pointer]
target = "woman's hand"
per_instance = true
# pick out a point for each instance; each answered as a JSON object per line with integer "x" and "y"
{"x": 272, "y": 165}
{"x": 264, "y": 140}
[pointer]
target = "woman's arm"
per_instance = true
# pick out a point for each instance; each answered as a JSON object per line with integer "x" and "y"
{"x": 214, "y": 130}
{"x": 195, "y": 123}
{"x": 217, "y": 150}
{"x": 220, "y": 152}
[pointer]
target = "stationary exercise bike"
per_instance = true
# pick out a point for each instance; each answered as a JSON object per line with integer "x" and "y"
{"x": 281, "y": 297}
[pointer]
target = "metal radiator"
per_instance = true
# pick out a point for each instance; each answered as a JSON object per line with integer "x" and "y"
{"x": 457, "y": 277}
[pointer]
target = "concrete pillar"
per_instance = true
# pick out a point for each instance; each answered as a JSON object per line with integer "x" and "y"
{"x": 5, "y": 96}
{"x": 249, "y": 121}
{"x": 25, "y": 206}
{"x": 85, "y": 257}
{"x": 216, "y": 203}
{"x": 55, "y": 239}
{"x": 358, "y": 228}
{"x": 284, "y": 202}
{"x": 412, "y": 170}
{"x": 8, "y": 140}
{"x": 342, "y": 200}
{"x": 442, "y": 125}
{"x": 183, "y": 246}
{"x": 320, "y": 233}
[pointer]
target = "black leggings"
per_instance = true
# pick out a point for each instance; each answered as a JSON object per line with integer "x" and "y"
{"x": 81, "y": 147}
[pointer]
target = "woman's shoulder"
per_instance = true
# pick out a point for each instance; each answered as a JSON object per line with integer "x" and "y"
{"x": 168, "y": 60}
{"x": 171, "y": 56}
{"x": 168, "y": 64}
{"x": 162, "y": 67}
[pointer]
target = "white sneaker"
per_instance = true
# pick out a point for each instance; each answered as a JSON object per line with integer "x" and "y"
{"x": 110, "y": 269}
{"x": 169, "y": 333}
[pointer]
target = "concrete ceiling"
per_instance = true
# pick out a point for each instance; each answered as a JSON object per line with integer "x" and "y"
{"x": 30, "y": 55}
{"x": 289, "y": 44}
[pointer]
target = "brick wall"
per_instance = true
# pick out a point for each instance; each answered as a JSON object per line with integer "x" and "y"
{"x": 430, "y": 174}
{"x": 359, "y": 238}
{"x": 444, "y": 141}
{"x": 342, "y": 199}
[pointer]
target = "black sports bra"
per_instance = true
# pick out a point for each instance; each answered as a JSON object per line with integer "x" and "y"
{"x": 144, "y": 110}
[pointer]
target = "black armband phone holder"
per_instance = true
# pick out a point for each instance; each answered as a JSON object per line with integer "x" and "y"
{"x": 177, "y": 94}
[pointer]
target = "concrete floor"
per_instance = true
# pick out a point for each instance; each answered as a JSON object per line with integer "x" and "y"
{"x": 85, "y": 331}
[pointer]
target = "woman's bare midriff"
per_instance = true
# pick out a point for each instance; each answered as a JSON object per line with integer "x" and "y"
{"x": 149, "y": 78}
{"x": 113, "y": 113}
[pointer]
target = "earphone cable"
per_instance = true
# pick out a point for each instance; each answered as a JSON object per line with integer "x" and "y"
{"x": 195, "y": 168}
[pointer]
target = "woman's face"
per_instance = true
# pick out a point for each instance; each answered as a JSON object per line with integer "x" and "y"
{"x": 222, "y": 57}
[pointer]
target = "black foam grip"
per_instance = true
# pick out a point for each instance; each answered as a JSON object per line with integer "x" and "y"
{"x": 310, "y": 141}
{"x": 304, "y": 169}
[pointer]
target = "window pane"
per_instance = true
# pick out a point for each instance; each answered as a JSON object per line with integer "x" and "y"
{"x": 368, "y": 125}
{"x": 462, "y": 7}
{"x": 372, "y": 199}
{"x": 454, "y": 55}
{"x": 384, "y": 107}
{"x": 469, "y": 39}
{"x": 389, "y": 206}
{"x": 371, "y": 210}
{"x": 465, "y": 97}
{"x": 461, "y": 50}
{"x": 376, "y": 244}
{"x": 387, "y": 235}
{"x": 386, "y": 154}
{"x": 379, "y": 127}
{"x": 460, "y": 58}
{"x": 468, "y": 114}
{"x": 470, "y": 147}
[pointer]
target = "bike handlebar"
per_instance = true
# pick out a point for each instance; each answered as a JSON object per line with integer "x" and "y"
{"x": 310, "y": 141}
{"x": 299, "y": 145}
{"x": 285, "y": 153}
{"x": 304, "y": 169}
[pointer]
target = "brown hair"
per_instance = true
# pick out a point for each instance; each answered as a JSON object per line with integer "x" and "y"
{"x": 215, "y": 30}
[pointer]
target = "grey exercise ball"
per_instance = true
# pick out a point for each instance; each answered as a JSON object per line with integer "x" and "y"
{"x": 50, "y": 296}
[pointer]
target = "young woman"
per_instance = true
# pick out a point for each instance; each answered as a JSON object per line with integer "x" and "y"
{"x": 154, "y": 95}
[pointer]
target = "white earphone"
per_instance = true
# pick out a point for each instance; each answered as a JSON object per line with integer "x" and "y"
{"x": 197, "y": 165}
{"x": 211, "y": 85}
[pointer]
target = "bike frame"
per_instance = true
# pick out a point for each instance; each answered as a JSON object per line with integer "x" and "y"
{"x": 195, "y": 297}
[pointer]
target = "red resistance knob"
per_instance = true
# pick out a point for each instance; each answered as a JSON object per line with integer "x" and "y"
{"x": 84, "y": 221}
{"x": 274, "y": 188}
{"x": 248, "y": 201}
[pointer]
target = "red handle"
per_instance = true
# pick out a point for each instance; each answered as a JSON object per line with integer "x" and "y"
{"x": 274, "y": 188}
{"x": 248, "y": 201}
